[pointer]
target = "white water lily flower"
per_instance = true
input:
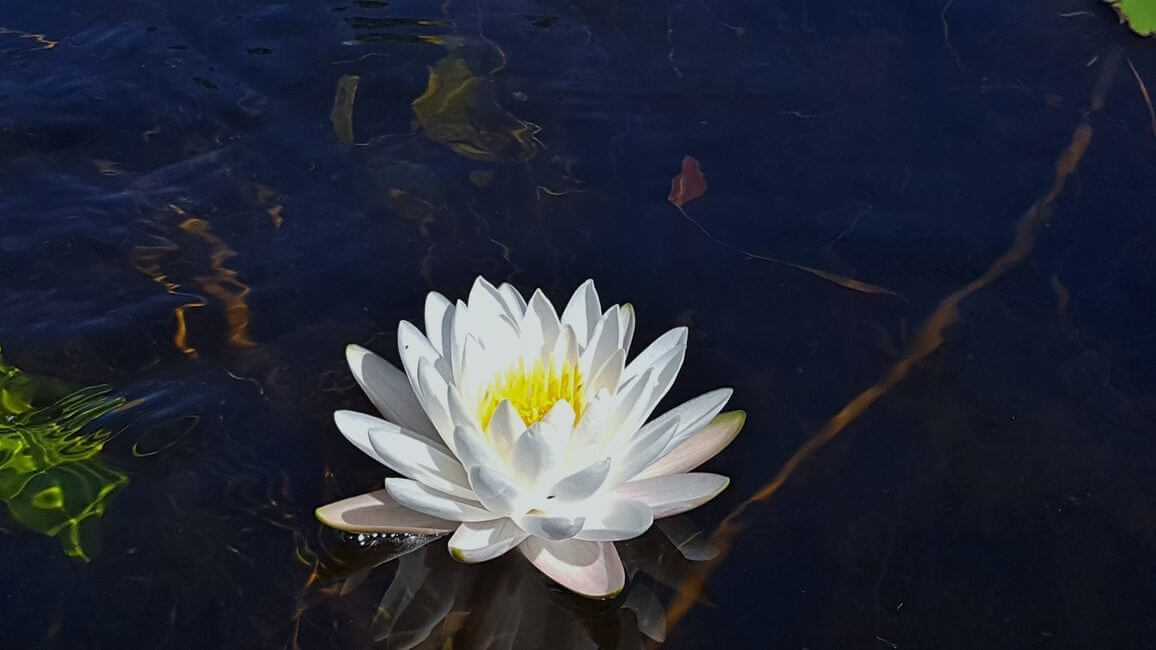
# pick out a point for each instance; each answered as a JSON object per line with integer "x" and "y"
{"x": 514, "y": 427}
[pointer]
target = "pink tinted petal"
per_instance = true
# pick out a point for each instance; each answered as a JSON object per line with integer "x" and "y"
{"x": 700, "y": 447}
{"x": 591, "y": 569}
{"x": 377, "y": 512}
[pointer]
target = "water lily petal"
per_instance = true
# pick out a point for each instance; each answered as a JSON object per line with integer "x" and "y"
{"x": 583, "y": 483}
{"x": 515, "y": 303}
{"x": 648, "y": 357}
{"x": 422, "y": 498}
{"x": 505, "y": 427}
{"x": 389, "y": 389}
{"x": 439, "y": 321}
{"x": 473, "y": 449}
{"x": 642, "y": 450}
{"x": 496, "y": 491}
{"x": 565, "y": 347}
{"x": 415, "y": 458}
{"x": 560, "y": 417}
{"x": 460, "y": 414}
{"x": 609, "y": 374}
{"x": 377, "y": 512}
{"x": 696, "y": 414}
{"x": 536, "y": 454}
{"x": 590, "y": 569}
{"x": 617, "y": 519}
{"x": 433, "y": 392}
{"x": 485, "y": 299}
{"x": 603, "y": 342}
{"x": 551, "y": 527}
{"x": 626, "y": 321}
{"x": 355, "y": 427}
{"x": 699, "y": 447}
{"x": 413, "y": 346}
{"x": 485, "y": 540}
{"x": 540, "y": 327}
{"x": 674, "y": 494}
{"x": 582, "y": 312}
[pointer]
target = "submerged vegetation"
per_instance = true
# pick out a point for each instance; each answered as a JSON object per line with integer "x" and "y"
{"x": 52, "y": 478}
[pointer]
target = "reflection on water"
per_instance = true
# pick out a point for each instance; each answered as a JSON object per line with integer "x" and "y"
{"x": 51, "y": 475}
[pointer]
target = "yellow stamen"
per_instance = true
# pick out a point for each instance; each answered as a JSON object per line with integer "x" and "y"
{"x": 532, "y": 391}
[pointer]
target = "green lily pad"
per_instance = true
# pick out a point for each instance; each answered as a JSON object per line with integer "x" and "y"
{"x": 1139, "y": 14}
{"x": 51, "y": 476}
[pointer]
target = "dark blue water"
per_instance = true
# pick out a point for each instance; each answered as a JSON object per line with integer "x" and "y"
{"x": 188, "y": 217}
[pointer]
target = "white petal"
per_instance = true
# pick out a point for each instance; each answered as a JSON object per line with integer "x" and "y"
{"x": 421, "y": 498}
{"x": 463, "y": 325}
{"x": 603, "y": 342}
{"x": 642, "y": 450}
{"x": 505, "y": 427}
{"x": 377, "y": 512}
{"x": 539, "y": 328}
{"x": 484, "y": 540}
{"x": 583, "y": 483}
{"x": 473, "y": 449}
{"x": 626, "y": 321}
{"x": 560, "y": 417}
{"x": 665, "y": 371}
{"x": 515, "y": 303}
{"x": 655, "y": 351}
{"x": 565, "y": 347}
{"x": 413, "y": 346}
{"x": 590, "y": 430}
{"x": 582, "y": 312}
{"x": 696, "y": 414}
{"x": 460, "y": 414}
{"x": 415, "y": 458}
{"x": 590, "y": 569}
{"x": 610, "y": 373}
{"x": 433, "y": 391}
{"x": 674, "y": 494}
{"x": 389, "y": 389}
{"x": 616, "y": 520}
{"x": 355, "y": 427}
{"x": 552, "y": 527}
{"x": 629, "y": 406}
{"x": 699, "y": 447}
{"x": 496, "y": 491}
{"x": 485, "y": 300}
{"x": 535, "y": 454}
{"x": 438, "y": 321}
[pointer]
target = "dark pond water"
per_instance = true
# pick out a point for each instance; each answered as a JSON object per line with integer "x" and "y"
{"x": 202, "y": 202}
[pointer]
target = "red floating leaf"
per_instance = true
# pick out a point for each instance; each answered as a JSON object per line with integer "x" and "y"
{"x": 689, "y": 184}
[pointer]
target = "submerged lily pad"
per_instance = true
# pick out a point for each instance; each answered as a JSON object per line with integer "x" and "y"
{"x": 51, "y": 476}
{"x": 1139, "y": 14}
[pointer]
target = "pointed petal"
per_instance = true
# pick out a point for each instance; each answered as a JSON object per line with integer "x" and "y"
{"x": 582, "y": 312}
{"x": 616, "y": 520}
{"x": 539, "y": 328}
{"x": 413, "y": 346}
{"x": 674, "y": 494}
{"x": 389, "y": 389}
{"x": 377, "y": 512}
{"x": 566, "y": 347}
{"x": 438, "y": 321}
{"x": 695, "y": 414}
{"x": 642, "y": 450}
{"x": 610, "y": 373}
{"x": 552, "y": 527}
{"x": 560, "y": 417}
{"x": 515, "y": 303}
{"x": 496, "y": 491}
{"x": 589, "y": 569}
{"x": 535, "y": 454}
{"x": 653, "y": 352}
{"x": 413, "y": 457}
{"x": 582, "y": 484}
{"x": 474, "y": 450}
{"x": 485, "y": 540}
{"x": 603, "y": 342}
{"x": 355, "y": 427}
{"x": 506, "y": 426}
{"x": 433, "y": 392}
{"x": 421, "y": 498}
{"x": 626, "y": 326}
{"x": 699, "y": 447}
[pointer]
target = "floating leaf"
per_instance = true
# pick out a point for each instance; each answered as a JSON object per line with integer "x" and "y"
{"x": 342, "y": 113}
{"x": 1139, "y": 14}
{"x": 689, "y": 184}
{"x": 51, "y": 477}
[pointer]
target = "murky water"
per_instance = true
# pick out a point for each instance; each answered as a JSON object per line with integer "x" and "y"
{"x": 926, "y": 237}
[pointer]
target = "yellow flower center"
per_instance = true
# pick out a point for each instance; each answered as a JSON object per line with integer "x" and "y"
{"x": 532, "y": 391}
